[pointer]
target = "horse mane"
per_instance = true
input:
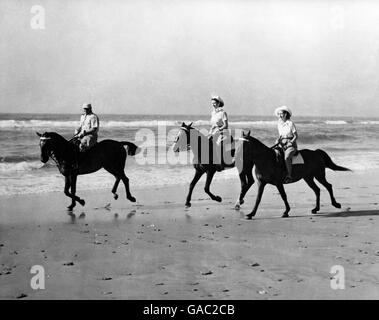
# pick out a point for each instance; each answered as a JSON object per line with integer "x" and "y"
{"x": 255, "y": 140}
{"x": 55, "y": 136}
{"x": 61, "y": 145}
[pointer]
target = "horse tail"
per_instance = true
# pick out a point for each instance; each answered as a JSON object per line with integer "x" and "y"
{"x": 329, "y": 162}
{"x": 132, "y": 148}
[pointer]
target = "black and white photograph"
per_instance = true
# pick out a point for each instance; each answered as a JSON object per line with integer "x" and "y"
{"x": 210, "y": 150}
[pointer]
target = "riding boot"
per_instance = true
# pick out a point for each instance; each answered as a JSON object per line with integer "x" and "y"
{"x": 220, "y": 165}
{"x": 76, "y": 161}
{"x": 288, "y": 178}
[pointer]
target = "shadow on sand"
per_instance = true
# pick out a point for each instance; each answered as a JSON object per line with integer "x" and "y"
{"x": 358, "y": 213}
{"x": 342, "y": 214}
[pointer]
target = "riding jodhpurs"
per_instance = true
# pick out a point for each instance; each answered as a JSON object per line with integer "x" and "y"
{"x": 87, "y": 142}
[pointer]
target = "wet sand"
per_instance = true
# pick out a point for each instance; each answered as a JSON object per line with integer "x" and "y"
{"x": 157, "y": 249}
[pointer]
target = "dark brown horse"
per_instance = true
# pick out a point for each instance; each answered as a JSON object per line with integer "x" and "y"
{"x": 190, "y": 138}
{"x": 250, "y": 153}
{"x": 108, "y": 154}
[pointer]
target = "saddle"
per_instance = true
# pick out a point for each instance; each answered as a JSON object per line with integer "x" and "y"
{"x": 227, "y": 143}
{"x": 79, "y": 154}
{"x": 296, "y": 159}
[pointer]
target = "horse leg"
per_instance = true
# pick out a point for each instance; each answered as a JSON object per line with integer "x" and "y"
{"x": 195, "y": 179}
{"x": 284, "y": 197}
{"x": 73, "y": 190}
{"x": 125, "y": 180}
{"x": 208, "y": 182}
{"x": 243, "y": 180}
{"x": 310, "y": 182}
{"x": 261, "y": 186}
{"x": 247, "y": 180}
{"x": 321, "y": 178}
{"x": 67, "y": 186}
{"x": 115, "y": 186}
{"x": 70, "y": 183}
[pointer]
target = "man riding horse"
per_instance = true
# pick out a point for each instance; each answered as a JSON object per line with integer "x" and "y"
{"x": 88, "y": 129}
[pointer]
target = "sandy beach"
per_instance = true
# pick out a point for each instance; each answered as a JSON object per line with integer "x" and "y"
{"x": 157, "y": 249}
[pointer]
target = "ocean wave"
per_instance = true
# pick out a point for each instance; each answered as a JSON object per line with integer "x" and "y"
{"x": 8, "y": 167}
{"x": 336, "y": 122}
{"x": 253, "y": 123}
{"x": 311, "y": 138}
{"x": 105, "y": 124}
{"x": 369, "y": 122}
{"x": 6, "y": 124}
{"x": 18, "y": 158}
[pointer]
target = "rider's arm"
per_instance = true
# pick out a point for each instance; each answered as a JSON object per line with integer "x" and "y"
{"x": 94, "y": 126}
{"x": 78, "y": 129}
{"x": 295, "y": 136}
{"x": 294, "y": 132}
{"x": 225, "y": 122}
{"x": 224, "y": 126}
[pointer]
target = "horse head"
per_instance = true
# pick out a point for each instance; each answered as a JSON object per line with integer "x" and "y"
{"x": 245, "y": 135}
{"x": 182, "y": 140}
{"x": 45, "y": 143}
{"x": 50, "y": 143}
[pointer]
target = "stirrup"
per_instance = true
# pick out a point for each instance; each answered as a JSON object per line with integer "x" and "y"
{"x": 220, "y": 167}
{"x": 288, "y": 179}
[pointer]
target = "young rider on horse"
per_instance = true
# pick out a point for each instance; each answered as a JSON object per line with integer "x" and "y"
{"x": 287, "y": 138}
{"x": 88, "y": 129}
{"x": 218, "y": 131}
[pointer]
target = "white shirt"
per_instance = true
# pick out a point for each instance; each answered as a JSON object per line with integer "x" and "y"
{"x": 89, "y": 121}
{"x": 218, "y": 119}
{"x": 286, "y": 129}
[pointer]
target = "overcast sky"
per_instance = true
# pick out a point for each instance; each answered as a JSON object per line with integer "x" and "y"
{"x": 317, "y": 57}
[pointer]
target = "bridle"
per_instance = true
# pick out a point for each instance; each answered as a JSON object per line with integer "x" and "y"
{"x": 186, "y": 130}
{"x": 50, "y": 152}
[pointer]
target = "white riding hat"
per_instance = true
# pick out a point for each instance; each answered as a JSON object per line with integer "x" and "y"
{"x": 218, "y": 98}
{"x": 87, "y": 106}
{"x": 283, "y": 108}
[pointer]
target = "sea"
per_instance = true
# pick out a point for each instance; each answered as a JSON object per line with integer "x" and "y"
{"x": 351, "y": 142}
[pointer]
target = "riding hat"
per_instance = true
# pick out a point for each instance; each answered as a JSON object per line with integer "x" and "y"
{"x": 283, "y": 108}
{"x": 218, "y": 98}
{"x": 86, "y": 106}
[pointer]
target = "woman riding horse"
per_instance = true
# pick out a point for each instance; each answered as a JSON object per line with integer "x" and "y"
{"x": 287, "y": 138}
{"x": 218, "y": 131}
{"x": 251, "y": 153}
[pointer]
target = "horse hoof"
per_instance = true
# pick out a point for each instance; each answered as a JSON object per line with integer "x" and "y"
{"x": 188, "y": 205}
{"x": 218, "y": 199}
{"x": 249, "y": 216}
{"x": 315, "y": 210}
{"x": 237, "y": 207}
{"x": 115, "y": 196}
{"x": 285, "y": 215}
{"x": 132, "y": 199}
{"x": 70, "y": 208}
{"x": 82, "y": 202}
{"x": 337, "y": 205}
